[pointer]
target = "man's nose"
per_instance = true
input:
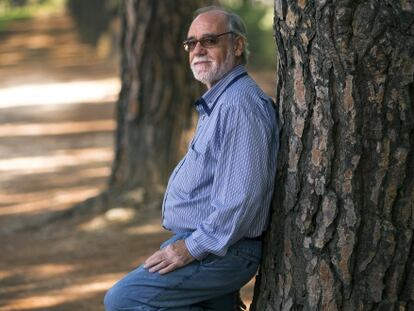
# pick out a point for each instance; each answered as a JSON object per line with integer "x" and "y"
{"x": 199, "y": 49}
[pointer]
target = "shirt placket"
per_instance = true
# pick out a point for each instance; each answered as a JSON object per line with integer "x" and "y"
{"x": 199, "y": 128}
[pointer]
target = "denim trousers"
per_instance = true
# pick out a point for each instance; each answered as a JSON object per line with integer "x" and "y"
{"x": 210, "y": 284}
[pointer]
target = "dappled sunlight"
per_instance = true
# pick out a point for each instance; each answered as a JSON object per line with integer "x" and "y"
{"x": 123, "y": 216}
{"x": 62, "y": 128}
{"x": 84, "y": 289}
{"x": 57, "y": 106}
{"x": 51, "y": 163}
{"x": 114, "y": 215}
{"x": 60, "y": 93}
{"x": 151, "y": 228}
{"x": 51, "y": 201}
{"x": 50, "y": 269}
{"x": 39, "y": 41}
{"x": 11, "y": 58}
{"x": 95, "y": 224}
{"x": 38, "y": 271}
{"x": 62, "y": 182}
{"x": 94, "y": 172}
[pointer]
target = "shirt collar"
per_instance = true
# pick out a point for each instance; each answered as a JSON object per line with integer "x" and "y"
{"x": 206, "y": 102}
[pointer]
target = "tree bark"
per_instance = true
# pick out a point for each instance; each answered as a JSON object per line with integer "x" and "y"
{"x": 155, "y": 105}
{"x": 341, "y": 234}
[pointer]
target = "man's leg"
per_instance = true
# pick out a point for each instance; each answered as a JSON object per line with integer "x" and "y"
{"x": 185, "y": 288}
{"x": 230, "y": 301}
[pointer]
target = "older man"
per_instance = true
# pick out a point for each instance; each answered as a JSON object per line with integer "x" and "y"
{"x": 218, "y": 197}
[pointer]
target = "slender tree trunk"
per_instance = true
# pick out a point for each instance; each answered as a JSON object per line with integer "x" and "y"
{"x": 341, "y": 234}
{"x": 155, "y": 104}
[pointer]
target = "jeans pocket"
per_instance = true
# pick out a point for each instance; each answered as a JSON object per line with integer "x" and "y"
{"x": 248, "y": 250}
{"x": 209, "y": 259}
{"x": 232, "y": 261}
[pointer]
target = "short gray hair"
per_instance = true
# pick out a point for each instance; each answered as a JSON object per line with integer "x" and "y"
{"x": 235, "y": 24}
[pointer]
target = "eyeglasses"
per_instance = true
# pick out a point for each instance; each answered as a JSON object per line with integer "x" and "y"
{"x": 206, "y": 41}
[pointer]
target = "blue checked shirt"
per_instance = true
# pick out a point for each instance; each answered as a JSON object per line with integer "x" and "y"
{"x": 221, "y": 190}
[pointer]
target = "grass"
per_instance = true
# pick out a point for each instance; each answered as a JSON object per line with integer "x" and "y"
{"x": 10, "y": 14}
{"x": 13, "y": 15}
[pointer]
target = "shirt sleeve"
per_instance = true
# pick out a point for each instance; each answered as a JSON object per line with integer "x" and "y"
{"x": 242, "y": 179}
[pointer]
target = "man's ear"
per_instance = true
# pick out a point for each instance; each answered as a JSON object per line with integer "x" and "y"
{"x": 238, "y": 46}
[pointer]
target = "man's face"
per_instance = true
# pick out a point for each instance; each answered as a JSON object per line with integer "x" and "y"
{"x": 210, "y": 64}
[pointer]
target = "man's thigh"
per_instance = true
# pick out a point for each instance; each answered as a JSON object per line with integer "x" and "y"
{"x": 199, "y": 281}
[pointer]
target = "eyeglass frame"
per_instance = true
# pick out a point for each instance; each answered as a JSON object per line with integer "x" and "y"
{"x": 209, "y": 36}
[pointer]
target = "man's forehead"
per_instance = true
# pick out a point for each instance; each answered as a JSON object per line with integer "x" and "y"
{"x": 208, "y": 23}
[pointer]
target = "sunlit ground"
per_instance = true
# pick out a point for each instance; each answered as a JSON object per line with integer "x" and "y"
{"x": 60, "y": 93}
{"x": 43, "y": 99}
{"x": 56, "y": 118}
{"x": 57, "y": 103}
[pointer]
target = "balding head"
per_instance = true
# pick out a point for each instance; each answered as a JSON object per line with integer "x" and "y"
{"x": 213, "y": 48}
{"x": 211, "y": 22}
{"x": 234, "y": 23}
{"x": 214, "y": 17}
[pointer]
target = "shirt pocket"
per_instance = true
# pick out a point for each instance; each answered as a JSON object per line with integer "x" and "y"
{"x": 189, "y": 178}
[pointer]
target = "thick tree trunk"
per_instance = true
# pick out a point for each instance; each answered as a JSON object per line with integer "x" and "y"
{"x": 155, "y": 104}
{"x": 341, "y": 234}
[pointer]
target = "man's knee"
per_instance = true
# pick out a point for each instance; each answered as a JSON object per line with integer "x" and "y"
{"x": 111, "y": 300}
{"x": 115, "y": 299}
{"x": 120, "y": 297}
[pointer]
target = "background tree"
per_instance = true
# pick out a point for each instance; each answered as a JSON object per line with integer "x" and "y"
{"x": 155, "y": 104}
{"x": 93, "y": 17}
{"x": 342, "y": 228}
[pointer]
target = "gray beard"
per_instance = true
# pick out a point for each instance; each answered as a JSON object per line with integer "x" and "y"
{"x": 216, "y": 72}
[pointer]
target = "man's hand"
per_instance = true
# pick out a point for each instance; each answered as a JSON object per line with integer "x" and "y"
{"x": 169, "y": 258}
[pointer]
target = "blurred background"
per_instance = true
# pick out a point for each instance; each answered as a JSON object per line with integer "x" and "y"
{"x": 59, "y": 83}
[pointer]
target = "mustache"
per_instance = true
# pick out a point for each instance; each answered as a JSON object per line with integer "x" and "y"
{"x": 200, "y": 59}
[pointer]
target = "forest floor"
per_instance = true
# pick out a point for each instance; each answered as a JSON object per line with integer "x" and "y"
{"x": 57, "y": 106}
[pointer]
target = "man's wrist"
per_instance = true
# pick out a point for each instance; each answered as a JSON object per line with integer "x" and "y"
{"x": 194, "y": 249}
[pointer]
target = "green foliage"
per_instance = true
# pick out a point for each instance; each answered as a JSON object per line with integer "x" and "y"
{"x": 258, "y": 16}
{"x": 6, "y": 16}
{"x": 11, "y": 10}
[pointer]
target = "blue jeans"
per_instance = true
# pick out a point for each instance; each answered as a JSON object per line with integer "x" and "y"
{"x": 210, "y": 284}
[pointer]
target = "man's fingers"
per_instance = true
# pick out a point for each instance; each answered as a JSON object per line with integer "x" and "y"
{"x": 159, "y": 266}
{"x": 154, "y": 259}
{"x": 169, "y": 258}
{"x": 167, "y": 269}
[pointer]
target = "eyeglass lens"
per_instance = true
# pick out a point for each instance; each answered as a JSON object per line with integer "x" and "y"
{"x": 206, "y": 42}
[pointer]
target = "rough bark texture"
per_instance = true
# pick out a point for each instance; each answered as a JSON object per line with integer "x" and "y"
{"x": 341, "y": 235}
{"x": 155, "y": 104}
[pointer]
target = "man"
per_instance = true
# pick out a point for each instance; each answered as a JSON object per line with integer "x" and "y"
{"x": 218, "y": 197}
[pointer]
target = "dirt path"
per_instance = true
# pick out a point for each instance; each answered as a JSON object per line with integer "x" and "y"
{"x": 56, "y": 138}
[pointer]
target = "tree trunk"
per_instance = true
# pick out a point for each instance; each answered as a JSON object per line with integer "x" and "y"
{"x": 155, "y": 104}
{"x": 92, "y": 17}
{"x": 341, "y": 235}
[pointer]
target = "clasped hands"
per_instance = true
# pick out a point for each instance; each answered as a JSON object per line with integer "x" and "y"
{"x": 169, "y": 258}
